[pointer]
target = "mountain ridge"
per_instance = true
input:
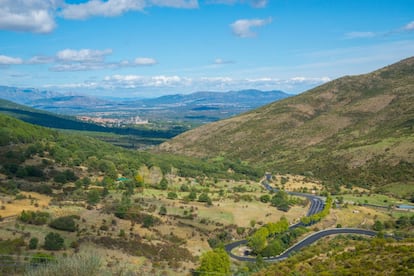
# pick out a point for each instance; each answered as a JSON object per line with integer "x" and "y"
{"x": 198, "y": 107}
{"x": 337, "y": 131}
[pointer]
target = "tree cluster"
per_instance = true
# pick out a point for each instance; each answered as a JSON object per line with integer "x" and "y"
{"x": 318, "y": 216}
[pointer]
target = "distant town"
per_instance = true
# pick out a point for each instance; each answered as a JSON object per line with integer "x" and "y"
{"x": 111, "y": 122}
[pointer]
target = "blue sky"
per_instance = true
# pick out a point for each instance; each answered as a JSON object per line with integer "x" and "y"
{"x": 147, "y": 48}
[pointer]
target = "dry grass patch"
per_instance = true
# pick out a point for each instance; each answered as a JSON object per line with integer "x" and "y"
{"x": 33, "y": 201}
{"x": 357, "y": 216}
{"x": 297, "y": 182}
{"x": 116, "y": 261}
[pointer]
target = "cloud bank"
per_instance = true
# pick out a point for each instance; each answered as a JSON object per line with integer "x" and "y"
{"x": 164, "y": 84}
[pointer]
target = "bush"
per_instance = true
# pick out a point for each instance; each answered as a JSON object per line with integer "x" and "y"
{"x": 148, "y": 221}
{"x": 41, "y": 258}
{"x": 53, "y": 241}
{"x": 66, "y": 223}
{"x": 163, "y": 211}
{"x": 93, "y": 197}
{"x": 33, "y": 243}
{"x": 204, "y": 198}
{"x": 36, "y": 218}
{"x": 66, "y": 176}
{"x": 265, "y": 198}
{"x": 172, "y": 195}
{"x": 163, "y": 184}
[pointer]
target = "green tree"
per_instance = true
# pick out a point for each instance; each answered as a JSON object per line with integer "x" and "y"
{"x": 281, "y": 201}
{"x": 184, "y": 188}
{"x": 192, "y": 195}
{"x": 33, "y": 243}
{"x": 163, "y": 211}
{"x": 257, "y": 241}
{"x": 66, "y": 223}
{"x": 34, "y": 217}
{"x": 93, "y": 197}
{"x": 53, "y": 241}
{"x": 203, "y": 197}
{"x": 378, "y": 226}
{"x": 172, "y": 195}
{"x": 148, "y": 221}
{"x": 214, "y": 262}
{"x": 265, "y": 198}
{"x": 163, "y": 184}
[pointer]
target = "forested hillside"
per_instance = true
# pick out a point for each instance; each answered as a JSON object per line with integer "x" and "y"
{"x": 20, "y": 140}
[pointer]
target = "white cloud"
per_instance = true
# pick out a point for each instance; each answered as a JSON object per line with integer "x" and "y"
{"x": 219, "y": 61}
{"x": 77, "y": 67}
{"x": 83, "y": 55}
{"x": 90, "y": 59}
{"x": 40, "y": 60}
{"x": 354, "y": 35}
{"x": 28, "y": 15}
{"x": 242, "y": 28}
{"x": 39, "y": 16}
{"x": 135, "y": 81}
{"x": 409, "y": 26}
{"x": 112, "y": 8}
{"x": 253, "y": 3}
{"x": 101, "y": 8}
{"x": 145, "y": 61}
{"x": 182, "y": 4}
{"x": 258, "y": 3}
{"x": 6, "y": 60}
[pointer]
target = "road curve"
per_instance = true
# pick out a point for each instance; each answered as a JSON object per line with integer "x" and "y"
{"x": 296, "y": 247}
{"x": 316, "y": 205}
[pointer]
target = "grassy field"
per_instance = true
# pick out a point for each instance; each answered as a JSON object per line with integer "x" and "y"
{"x": 399, "y": 189}
{"x": 375, "y": 199}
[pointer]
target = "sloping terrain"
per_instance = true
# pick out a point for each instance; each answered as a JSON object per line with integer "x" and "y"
{"x": 356, "y": 129}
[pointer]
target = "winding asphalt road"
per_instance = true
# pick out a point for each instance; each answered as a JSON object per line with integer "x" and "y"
{"x": 316, "y": 206}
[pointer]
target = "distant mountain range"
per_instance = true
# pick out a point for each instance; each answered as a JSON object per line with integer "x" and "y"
{"x": 51, "y": 101}
{"x": 199, "y": 107}
{"x": 354, "y": 130}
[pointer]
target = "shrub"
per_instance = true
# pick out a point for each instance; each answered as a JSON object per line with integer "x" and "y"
{"x": 148, "y": 221}
{"x": 41, "y": 258}
{"x": 53, "y": 241}
{"x": 66, "y": 223}
{"x": 34, "y": 217}
{"x": 33, "y": 243}
{"x": 93, "y": 197}
{"x": 265, "y": 198}
{"x": 163, "y": 184}
{"x": 172, "y": 195}
{"x": 163, "y": 211}
{"x": 204, "y": 198}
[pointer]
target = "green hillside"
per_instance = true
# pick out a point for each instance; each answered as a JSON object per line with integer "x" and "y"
{"x": 20, "y": 141}
{"x": 353, "y": 130}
